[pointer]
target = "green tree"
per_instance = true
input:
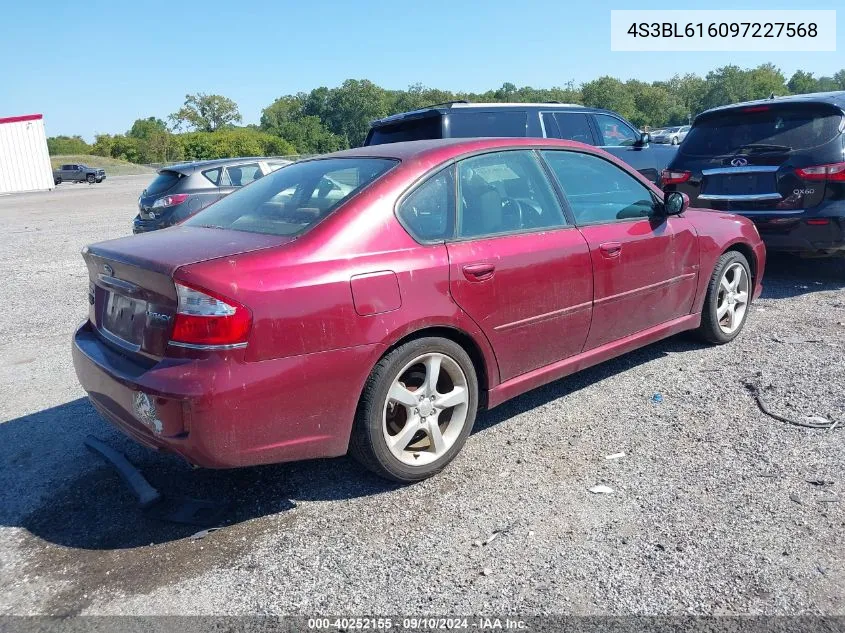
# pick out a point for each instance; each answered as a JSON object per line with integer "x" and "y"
{"x": 802, "y": 82}
{"x": 610, "y": 93}
{"x": 839, "y": 78}
{"x": 62, "y": 145}
{"x": 145, "y": 128}
{"x": 351, "y": 107}
{"x": 206, "y": 113}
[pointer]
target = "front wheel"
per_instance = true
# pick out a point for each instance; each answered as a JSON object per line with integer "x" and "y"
{"x": 728, "y": 298}
{"x": 417, "y": 409}
{"x": 57, "y": 180}
{"x": 674, "y": 141}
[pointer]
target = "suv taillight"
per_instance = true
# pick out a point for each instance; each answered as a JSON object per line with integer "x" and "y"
{"x": 206, "y": 318}
{"x": 170, "y": 201}
{"x": 832, "y": 171}
{"x": 669, "y": 177}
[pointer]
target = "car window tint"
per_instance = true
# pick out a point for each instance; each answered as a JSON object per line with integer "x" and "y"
{"x": 163, "y": 182}
{"x": 428, "y": 210}
{"x": 240, "y": 175}
{"x": 786, "y": 128}
{"x": 291, "y": 200}
{"x": 474, "y": 124}
{"x": 570, "y": 126}
{"x": 614, "y": 132}
{"x": 415, "y": 129}
{"x": 505, "y": 192}
{"x": 597, "y": 190}
{"x": 213, "y": 175}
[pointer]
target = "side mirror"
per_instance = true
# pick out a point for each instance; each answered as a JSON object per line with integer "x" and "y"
{"x": 645, "y": 139}
{"x": 675, "y": 202}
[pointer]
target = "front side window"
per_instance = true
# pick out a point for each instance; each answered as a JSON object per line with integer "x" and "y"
{"x": 292, "y": 200}
{"x": 599, "y": 191}
{"x": 505, "y": 192}
{"x": 428, "y": 210}
{"x": 614, "y": 132}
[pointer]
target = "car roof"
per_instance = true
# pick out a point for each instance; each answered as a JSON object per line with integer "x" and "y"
{"x": 836, "y": 98}
{"x": 193, "y": 166}
{"x": 447, "y": 148}
{"x": 440, "y": 109}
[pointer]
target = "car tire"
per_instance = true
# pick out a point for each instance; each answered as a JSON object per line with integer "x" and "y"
{"x": 674, "y": 141}
{"x": 57, "y": 180}
{"x": 728, "y": 299}
{"x": 416, "y": 411}
{"x": 99, "y": 180}
{"x": 91, "y": 179}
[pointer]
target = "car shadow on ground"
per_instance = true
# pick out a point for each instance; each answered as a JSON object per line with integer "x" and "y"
{"x": 67, "y": 496}
{"x": 789, "y": 276}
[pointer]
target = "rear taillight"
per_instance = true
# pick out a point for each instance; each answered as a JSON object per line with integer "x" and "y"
{"x": 205, "y": 318}
{"x": 818, "y": 221}
{"x": 669, "y": 177}
{"x": 832, "y": 171}
{"x": 170, "y": 201}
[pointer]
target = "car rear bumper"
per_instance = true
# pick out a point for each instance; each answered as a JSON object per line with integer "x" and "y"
{"x": 217, "y": 411}
{"x": 140, "y": 225}
{"x": 804, "y": 234}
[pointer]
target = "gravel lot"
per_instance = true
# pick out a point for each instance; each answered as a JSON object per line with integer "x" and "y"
{"x": 712, "y": 511}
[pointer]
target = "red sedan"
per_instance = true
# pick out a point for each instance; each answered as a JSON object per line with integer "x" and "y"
{"x": 372, "y": 300}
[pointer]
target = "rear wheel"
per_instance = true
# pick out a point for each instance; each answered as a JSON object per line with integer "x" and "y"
{"x": 728, "y": 298}
{"x": 57, "y": 180}
{"x": 417, "y": 409}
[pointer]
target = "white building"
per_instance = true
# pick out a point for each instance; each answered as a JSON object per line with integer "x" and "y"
{"x": 24, "y": 159}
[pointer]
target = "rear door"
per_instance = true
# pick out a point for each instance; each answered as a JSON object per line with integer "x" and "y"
{"x": 616, "y": 137}
{"x": 645, "y": 265}
{"x": 569, "y": 126}
{"x": 516, "y": 266}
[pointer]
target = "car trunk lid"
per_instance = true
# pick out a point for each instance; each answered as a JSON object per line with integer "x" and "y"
{"x": 132, "y": 294}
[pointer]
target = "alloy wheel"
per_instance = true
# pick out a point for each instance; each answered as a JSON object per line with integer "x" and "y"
{"x": 425, "y": 409}
{"x": 732, "y": 302}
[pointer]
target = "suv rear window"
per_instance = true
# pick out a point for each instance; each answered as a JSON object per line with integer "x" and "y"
{"x": 289, "y": 201}
{"x": 164, "y": 181}
{"x": 775, "y": 129}
{"x": 419, "y": 129}
{"x": 475, "y": 124}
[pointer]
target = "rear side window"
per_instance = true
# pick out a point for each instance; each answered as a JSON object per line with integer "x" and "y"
{"x": 772, "y": 129}
{"x": 213, "y": 175}
{"x": 597, "y": 190}
{"x": 419, "y": 129}
{"x": 473, "y": 124}
{"x": 427, "y": 211}
{"x": 163, "y": 182}
{"x": 505, "y": 192}
{"x": 572, "y": 126}
{"x": 291, "y": 200}
{"x": 240, "y": 175}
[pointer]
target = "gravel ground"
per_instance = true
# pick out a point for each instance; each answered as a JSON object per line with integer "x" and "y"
{"x": 712, "y": 509}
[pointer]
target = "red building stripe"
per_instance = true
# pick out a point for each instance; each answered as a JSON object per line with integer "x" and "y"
{"x": 25, "y": 117}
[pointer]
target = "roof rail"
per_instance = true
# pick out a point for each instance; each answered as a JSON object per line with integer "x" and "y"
{"x": 445, "y": 103}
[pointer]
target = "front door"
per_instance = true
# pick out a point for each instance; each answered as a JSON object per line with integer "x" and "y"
{"x": 644, "y": 263}
{"x": 516, "y": 266}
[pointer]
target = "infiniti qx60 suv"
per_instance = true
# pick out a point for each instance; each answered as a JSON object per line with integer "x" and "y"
{"x": 780, "y": 162}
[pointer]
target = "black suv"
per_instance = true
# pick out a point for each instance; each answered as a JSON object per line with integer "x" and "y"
{"x": 180, "y": 191}
{"x": 777, "y": 161}
{"x": 460, "y": 119}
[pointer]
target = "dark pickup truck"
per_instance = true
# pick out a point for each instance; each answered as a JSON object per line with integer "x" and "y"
{"x": 78, "y": 173}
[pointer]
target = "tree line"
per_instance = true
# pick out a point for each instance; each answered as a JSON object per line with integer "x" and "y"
{"x": 329, "y": 119}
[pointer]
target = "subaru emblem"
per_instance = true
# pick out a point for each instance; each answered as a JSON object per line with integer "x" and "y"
{"x": 739, "y": 162}
{"x": 108, "y": 270}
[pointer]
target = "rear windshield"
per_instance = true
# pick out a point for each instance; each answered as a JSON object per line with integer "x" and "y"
{"x": 164, "y": 181}
{"x": 772, "y": 129}
{"x": 421, "y": 129}
{"x": 475, "y": 124}
{"x": 289, "y": 201}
